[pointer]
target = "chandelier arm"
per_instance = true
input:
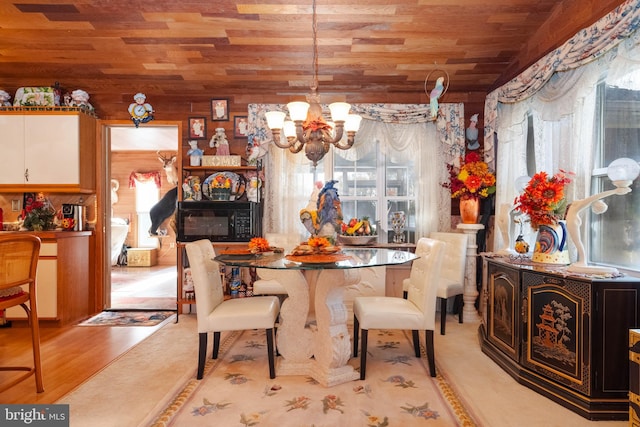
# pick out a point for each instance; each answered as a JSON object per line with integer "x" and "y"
{"x": 276, "y": 139}
{"x": 295, "y": 145}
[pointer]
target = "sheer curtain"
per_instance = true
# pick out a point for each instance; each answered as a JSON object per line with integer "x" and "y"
{"x": 559, "y": 94}
{"x": 403, "y": 130}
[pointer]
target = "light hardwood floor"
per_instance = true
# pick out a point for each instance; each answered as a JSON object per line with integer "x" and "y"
{"x": 70, "y": 355}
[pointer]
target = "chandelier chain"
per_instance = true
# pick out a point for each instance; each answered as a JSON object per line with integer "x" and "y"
{"x": 314, "y": 86}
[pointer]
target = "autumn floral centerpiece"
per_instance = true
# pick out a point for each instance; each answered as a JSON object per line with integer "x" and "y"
{"x": 472, "y": 179}
{"x": 543, "y": 199}
{"x": 470, "y": 182}
{"x": 38, "y": 214}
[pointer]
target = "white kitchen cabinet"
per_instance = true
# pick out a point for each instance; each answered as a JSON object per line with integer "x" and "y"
{"x": 48, "y": 151}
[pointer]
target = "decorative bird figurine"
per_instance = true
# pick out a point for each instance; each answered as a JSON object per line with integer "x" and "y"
{"x": 434, "y": 95}
{"x": 472, "y": 133}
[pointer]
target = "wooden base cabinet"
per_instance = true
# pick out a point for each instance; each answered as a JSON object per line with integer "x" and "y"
{"x": 63, "y": 279}
{"x": 565, "y": 337}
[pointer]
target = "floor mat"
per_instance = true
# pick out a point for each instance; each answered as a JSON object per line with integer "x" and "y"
{"x": 128, "y": 318}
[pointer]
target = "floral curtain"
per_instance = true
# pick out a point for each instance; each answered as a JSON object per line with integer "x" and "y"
{"x": 586, "y": 46}
{"x": 561, "y": 104}
{"x": 404, "y": 129}
{"x": 144, "y": 177}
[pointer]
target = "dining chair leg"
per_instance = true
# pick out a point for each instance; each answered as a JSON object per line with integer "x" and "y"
{"x": 356, "y": 331}
{"x": 416, "y": 342}
{"x": 363, "y": 353}
{"x": 202, "y": 353}
{"x": 270, "y": 351}
{"x": 431, "y": 357}
{"x": 443, "y": 315}
{"x": 216, "y": 345}
{"x": 460, "y": 304}
{"x": 35, "y": 342}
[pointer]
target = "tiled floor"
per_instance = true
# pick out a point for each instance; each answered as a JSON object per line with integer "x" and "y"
{"x": 143, "y": 287}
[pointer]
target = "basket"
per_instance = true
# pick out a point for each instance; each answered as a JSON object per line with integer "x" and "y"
{"x": 219, "y": 194}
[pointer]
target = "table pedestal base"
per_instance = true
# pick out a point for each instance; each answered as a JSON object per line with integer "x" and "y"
{"x": 322, "y": 354}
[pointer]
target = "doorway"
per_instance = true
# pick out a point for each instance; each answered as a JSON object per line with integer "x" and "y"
{"x": 143, "y": 271}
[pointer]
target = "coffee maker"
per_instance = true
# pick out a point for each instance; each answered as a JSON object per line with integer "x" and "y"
{"x": 75, "y": 212}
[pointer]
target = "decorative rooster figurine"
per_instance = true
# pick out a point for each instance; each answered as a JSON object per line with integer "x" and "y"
{"x": 326, "y": 219}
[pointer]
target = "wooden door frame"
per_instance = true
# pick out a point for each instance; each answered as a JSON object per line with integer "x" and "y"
{"x": 100, "y": 295}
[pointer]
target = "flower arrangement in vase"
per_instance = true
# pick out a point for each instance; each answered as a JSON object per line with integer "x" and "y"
{"x": 543, "y": 200}
{"x": 38, "y": 214}
{"x": 472, "y": 181}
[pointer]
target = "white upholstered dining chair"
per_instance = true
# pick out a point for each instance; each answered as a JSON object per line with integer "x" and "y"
{"x": 215, "y": 314}
{"x": 274, "y": 286}
{"x": 451, "y": 280}
{"x": 416, "y": 312}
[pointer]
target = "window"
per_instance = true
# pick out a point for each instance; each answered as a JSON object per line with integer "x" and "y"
{"x": 147, "y": 195}
{"x": 614, "y": 236}
{"x": 375, "y": 186}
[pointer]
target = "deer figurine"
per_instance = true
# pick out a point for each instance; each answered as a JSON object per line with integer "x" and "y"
{"x": 169, "y": 166}
{"x": 167, "y": 205}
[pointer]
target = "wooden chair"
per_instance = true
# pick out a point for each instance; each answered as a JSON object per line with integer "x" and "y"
{"x": 18, "y": 263}
{"x": 416, "y": 313}
{"x": 215, "y": 314}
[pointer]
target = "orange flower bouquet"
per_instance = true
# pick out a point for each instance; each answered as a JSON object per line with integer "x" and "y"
{"x": 259, "y": 244}
{"x": 543, "y": 199}
{"x": 472, "y": 180}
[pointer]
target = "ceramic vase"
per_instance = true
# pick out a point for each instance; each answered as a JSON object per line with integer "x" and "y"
{"x": 551, "y": 245}
{"x": 470, "y": 210}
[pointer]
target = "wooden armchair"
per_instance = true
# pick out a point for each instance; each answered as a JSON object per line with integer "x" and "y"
{"x": 18, "y": 263}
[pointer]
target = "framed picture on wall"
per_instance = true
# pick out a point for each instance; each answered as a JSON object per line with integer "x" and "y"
{"x": 219, "y": 109}
{"x": 197, "y": 127}
{"x": 240, "y": 127}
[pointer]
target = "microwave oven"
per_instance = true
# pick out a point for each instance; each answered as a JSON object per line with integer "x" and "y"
{"x": 218, "y": 221}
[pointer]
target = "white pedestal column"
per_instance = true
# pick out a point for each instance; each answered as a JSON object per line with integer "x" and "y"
{"x": 469, "y": 312}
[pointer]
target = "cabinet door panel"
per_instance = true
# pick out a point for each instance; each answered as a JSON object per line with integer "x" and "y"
{"x": 52, "y": 149}
{"x": 12, "y": 158}
{"x": 46, "y": 292}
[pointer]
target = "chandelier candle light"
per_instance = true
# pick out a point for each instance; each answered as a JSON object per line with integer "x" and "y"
{"x": 307, "y": 128}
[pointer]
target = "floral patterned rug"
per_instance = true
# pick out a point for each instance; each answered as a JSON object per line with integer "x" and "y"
{"x": 236, "y": 391}
{"x": 128, "y": 318}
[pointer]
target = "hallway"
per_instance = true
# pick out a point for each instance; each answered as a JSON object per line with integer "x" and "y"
{"x": 143, "y": 288}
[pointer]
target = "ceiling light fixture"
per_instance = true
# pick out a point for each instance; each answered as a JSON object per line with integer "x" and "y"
{"x": 308, "y": 129}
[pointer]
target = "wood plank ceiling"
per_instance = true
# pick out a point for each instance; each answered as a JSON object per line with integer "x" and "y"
{"x": 183, "y": 53}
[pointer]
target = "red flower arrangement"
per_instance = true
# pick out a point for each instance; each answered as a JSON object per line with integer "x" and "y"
{"x": 221, "y": 181}
{"x": 543, "y": 198}
{"x": 472, "y": 180}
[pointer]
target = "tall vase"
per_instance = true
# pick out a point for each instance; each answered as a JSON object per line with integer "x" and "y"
{"x": 551, "y": 245}
{"x": 470, "y": 210}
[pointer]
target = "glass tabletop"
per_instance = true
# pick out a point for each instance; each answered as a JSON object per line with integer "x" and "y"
{"x": 346, "y": 258}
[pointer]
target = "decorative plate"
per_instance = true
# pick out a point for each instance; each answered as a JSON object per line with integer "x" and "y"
{"x": 318, "y": 258}
{"x": 238, "y": 185}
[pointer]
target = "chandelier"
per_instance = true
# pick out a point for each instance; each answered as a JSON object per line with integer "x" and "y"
{"x": 307, "y": 128}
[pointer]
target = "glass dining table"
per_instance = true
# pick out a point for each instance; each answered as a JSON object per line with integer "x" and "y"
{"x": 321, "y": 351}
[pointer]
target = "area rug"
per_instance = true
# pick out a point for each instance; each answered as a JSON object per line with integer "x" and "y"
{"x": 128, "y": 318}
{"x": 236, "y": 390}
